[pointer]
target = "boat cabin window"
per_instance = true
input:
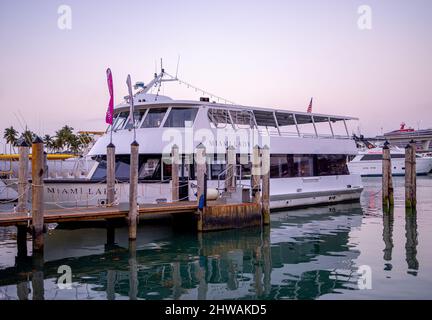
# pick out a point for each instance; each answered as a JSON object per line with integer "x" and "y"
{"x": 378, "y": 156}
{"x": 154, "y": 118}
{"x": 322, "y": 126}
{"x": 122, "y": 171}
{"x": 331, "y": 165}
{"x": 265, "y": 121}
{"x": 181, "y": 117}
{"x": 287, "y": 125}
{"x": 100, "y": 172}
{"x": 138, "y": 115}
{"x": 150, "y": 169}
{"x": 219, "y": 118}
{"x": 243, "y": 119}
{"x": 120, "y": 120}
{"x": 340, "y": 128}
{"x": 305, "y": 125}
{"x": 307, "y": 165}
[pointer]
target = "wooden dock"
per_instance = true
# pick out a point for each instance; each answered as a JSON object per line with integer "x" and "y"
{"x": 99, "y": 213}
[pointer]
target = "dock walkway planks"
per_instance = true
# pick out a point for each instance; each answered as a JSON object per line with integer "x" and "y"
{"x": 87, "y": 214}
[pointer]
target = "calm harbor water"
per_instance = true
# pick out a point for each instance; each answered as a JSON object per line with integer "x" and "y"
{"x": 313, "y": 253}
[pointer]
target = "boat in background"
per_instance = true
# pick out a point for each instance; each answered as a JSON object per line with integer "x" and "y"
{"x": 369, "y": 162}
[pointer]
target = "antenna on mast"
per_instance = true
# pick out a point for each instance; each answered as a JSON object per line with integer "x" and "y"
{"x": 178, "y": 62}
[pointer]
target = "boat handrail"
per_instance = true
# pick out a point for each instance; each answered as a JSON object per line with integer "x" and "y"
{"x": 237, "y": 176}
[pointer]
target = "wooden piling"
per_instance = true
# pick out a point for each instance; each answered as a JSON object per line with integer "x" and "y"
{"x": 265, "y": 171}
{"x": 175, "y": 161}
{"x": 110, "y": 178}
{"x": 387, "y": 183}
{"x": 408, "y": 178}
{"x": 410, "y": 175}
{"x": 230, "y": 179}
{"x": 23, "y": 171}
{"x": 133, "y": 191}
{"x": 201, "y": 164}
{"x": 37, "y": 194}
{"x": 256, "y": 175}
{"x": 413, "y": 174}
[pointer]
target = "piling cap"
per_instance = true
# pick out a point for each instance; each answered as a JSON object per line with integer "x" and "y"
{"x": 135, "y": 143}
{"x": 386, "y": 143}
{"x": 412, "y": 141}
{"x": 111, "y": 145}
{"x": 231, "y": 147}
{"x": 266, "y": 147}
{"x": 37, "y": 139}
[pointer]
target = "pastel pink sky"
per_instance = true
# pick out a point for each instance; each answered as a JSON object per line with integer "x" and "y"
{"x": 261, "y": 53}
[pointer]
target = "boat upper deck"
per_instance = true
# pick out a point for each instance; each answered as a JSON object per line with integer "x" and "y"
{"x": 270, "y": 121}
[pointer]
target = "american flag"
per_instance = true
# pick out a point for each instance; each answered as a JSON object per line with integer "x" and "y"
{"x": 309, "y": 109}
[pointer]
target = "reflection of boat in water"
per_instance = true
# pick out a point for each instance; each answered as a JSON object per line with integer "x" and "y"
{"x": 249, "y": 263}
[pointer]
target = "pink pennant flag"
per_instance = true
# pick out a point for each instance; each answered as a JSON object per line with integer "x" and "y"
{"x": 110, "y": 112}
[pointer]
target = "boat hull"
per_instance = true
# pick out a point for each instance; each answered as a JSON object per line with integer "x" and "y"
{"x": 284, "y": 192}
{"x": 374, "y": 168}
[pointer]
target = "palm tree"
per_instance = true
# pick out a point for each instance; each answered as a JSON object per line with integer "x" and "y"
{"x": 28, "y": 136}
{"x": 74, "y": 143}
{"x": 11, "y": 136}
{"x": 64, "y": 137}
{"x": 49, "y": 142}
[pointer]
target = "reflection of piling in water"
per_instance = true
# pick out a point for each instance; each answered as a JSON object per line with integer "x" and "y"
{"x": 38, "y": 276}
{"x": 110, "y": 286}
{"x": 202, "y": 285}
{"x": 258, "y": 275}
{"x": 177, "y": 281}
{"x": 23, "y": 290}
{"x": 388, "y": 220}
{"x": 411, "y": 241}
{"x": 267, "y": 259}
{"x": 133, "y": 271}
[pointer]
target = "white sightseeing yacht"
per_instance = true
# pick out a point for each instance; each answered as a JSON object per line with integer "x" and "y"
{"x": 369, "y": 162}
{"x": 309, "y": 151}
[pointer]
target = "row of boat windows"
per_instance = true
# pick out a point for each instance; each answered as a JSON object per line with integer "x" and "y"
{"x": 152, "y": 118}
{"x": 280, "y": 122}
{"x": 371, "y": 157}
{"x": 152, "y": 168}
